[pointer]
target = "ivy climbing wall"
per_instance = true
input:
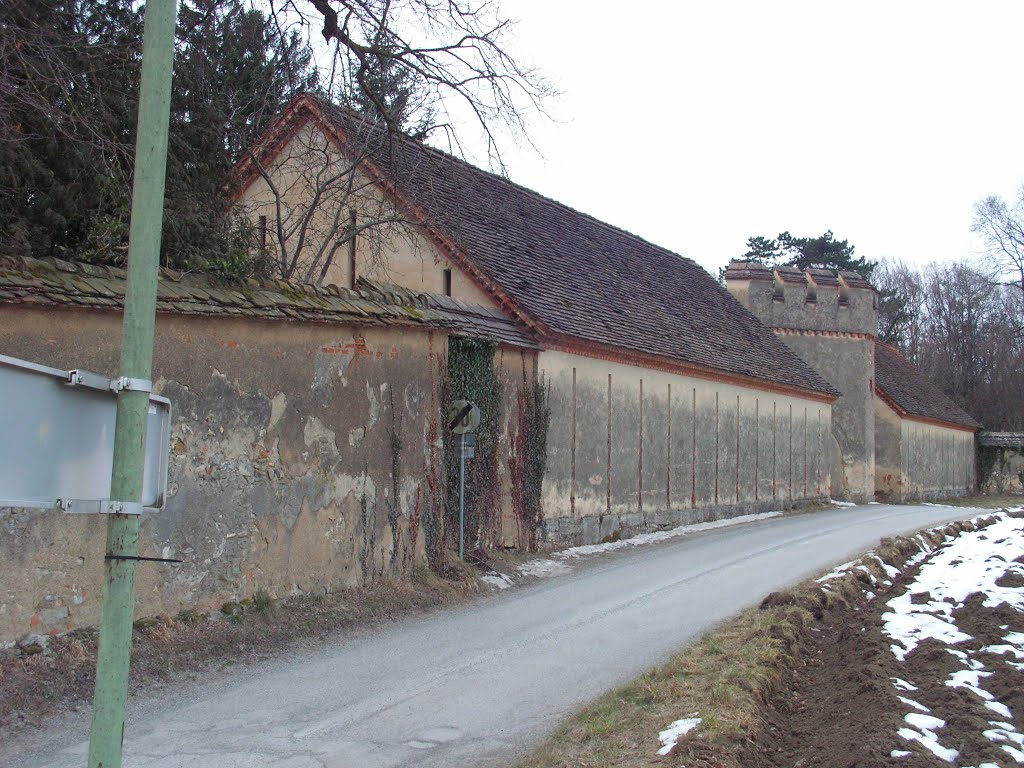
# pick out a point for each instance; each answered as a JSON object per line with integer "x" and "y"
{"x": 503, "y": 480}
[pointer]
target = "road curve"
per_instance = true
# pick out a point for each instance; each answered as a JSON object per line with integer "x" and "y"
{"x": 480, "y": 685}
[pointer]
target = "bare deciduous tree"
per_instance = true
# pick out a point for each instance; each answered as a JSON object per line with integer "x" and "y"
{"x": 900, "y": 307}
{"x": 1001, "y": 227}
{"x": 959, "y": 328}
{"x": 318, "y": 201}
{"x": 455, "y": 52}
{"x": 403, "y": 64}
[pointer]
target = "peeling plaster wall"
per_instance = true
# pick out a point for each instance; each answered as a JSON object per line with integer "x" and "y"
{"x": 889, "y": 480}
{"x": 917, "y": 460}
{"x": 516, "y": 370}
{"x": 632, "y": 448}
{"x": 300, "y": 462}
{"x": 937, "y": 462}
{"x": 849, "y": 365}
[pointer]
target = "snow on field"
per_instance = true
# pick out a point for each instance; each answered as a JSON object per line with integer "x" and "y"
{"x": 671, "y": 735}
{"x": 923, "y": 732}
{"x": 555, "y": 565}
{"x": 971, "y": 563}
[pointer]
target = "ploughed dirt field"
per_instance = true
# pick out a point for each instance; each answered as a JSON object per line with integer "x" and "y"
{"x": 927, "y": 669}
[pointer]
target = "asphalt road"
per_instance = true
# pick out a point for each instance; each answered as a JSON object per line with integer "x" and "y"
{"x": 479, "y": 686}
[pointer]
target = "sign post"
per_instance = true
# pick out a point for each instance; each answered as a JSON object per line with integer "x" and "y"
{"x": 463, "y": 419}
{"x": 107, "y": 733}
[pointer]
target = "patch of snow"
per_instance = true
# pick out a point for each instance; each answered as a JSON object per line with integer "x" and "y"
{"x": 543, "y": 569}
{"x": 1004, "y": 734}
{"x": 1013, "y": 752}
{"x": 835, "y": 503}
{"x": 656, "y": 536}
{"x": 1001, "y": 650}
{"x": 971, "y": 680}
{"x": 890, "y": 571}
{"x": 912, "y": 627}
{"x": 925, "y": 735}
{"x": 671, "y": 735}
{"x": 900, "y": 753}
{"x": 496, "y": 579}
{"x": 924, "y": 722}
{"x": 952, "y": 573}
{"x": 553, "y": 567}
{"x": 903, "y": 685}
{"x": 839, "y": 570}
{"x": 916, "y": 705}
{"x": 999, "y": 708}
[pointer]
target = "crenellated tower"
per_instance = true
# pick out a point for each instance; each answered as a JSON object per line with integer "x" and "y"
{"x": 830, "y": 319}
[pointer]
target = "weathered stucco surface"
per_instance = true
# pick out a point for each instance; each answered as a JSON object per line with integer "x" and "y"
{"x": 833, "y": 328}
{"x": 301, "y": 460}
{"x": 401, "y": 254}
{"x": 937, "y": 461}
{"x": 630, "y": 448}
{"x": 918, "y": 460}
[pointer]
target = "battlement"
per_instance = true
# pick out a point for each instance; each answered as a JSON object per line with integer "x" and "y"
{"x": 812, "y": 300}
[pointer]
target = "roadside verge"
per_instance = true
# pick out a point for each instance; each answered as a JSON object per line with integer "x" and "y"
{"x": 810, "y": 676}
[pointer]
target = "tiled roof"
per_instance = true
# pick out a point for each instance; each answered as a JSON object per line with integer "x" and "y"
{"x": 473, "y": 320}
{"x": 1001, "y": 439}
{"x": 579, "y": 278}
{"x": 903, "y": 383}
{"x": 823, "y": 276}
{"x": 55, "y": 282}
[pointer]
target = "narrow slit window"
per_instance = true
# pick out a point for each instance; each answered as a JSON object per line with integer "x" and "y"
{"x": 263, "y": 232}
{"x": 447, "y": 282}
{"x": 352, "y": 249}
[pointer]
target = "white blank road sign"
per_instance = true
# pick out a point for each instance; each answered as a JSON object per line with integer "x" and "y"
{"x": 57, "y": 440}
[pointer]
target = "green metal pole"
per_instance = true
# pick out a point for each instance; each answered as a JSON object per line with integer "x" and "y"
{"x": 132, "y": 406}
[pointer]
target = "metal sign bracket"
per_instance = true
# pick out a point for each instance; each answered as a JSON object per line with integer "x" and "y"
{"x": 101, "y": 506}
{"x": 81, "y": 378}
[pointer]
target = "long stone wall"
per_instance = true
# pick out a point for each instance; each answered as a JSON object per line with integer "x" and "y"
{"x": 919, "y": 460}
{"x": 304, "y": 459}
{"x": 632, "y": 448}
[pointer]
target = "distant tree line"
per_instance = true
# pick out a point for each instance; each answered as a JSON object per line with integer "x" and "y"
{"x": 961, "y": 323}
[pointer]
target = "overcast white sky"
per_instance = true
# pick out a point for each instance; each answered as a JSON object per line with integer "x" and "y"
{"x": 697, "y": 125}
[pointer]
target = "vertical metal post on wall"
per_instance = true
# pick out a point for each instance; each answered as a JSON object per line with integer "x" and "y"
{"x": 107, "y": 733}
{"x": 462, "y": 496}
